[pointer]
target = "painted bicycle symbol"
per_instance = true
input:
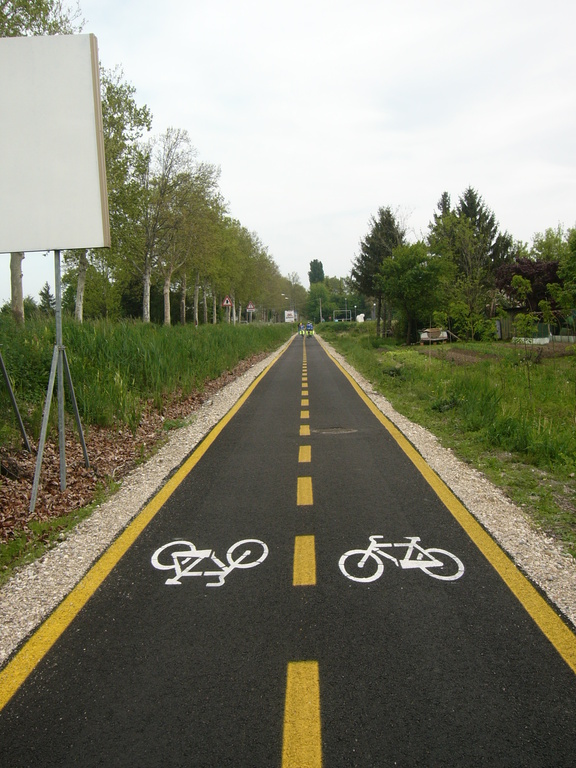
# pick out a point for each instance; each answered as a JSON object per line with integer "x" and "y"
{"x": 184, "y": 559}
{"x": 368, "y": 564}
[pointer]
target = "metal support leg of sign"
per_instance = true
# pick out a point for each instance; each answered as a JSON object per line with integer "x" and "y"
{"x": 14, "y": 404}
{"x": 59, "y": 367}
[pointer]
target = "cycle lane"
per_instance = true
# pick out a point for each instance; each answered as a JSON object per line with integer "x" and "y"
{"x": 435, "y": 672}
{"x": 200, "y": 673}
{"x": 162, "y": 672}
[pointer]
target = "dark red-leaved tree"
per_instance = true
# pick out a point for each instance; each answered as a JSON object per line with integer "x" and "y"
{"x": 539, "y": 273}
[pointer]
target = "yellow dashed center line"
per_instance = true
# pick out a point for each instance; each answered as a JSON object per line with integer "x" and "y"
{"x": 302, "y": 744}
{"x": 304, "y": 414}
{"x": 304, "y": 430}
{"x": 305, "y": 403}
{"x": 304, "y": 497}
{"x": 304, "y": 574}
{"x": 305, "y": 454}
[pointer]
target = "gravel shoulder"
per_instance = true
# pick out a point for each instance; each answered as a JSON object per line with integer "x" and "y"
{"x": 35, "y": 590}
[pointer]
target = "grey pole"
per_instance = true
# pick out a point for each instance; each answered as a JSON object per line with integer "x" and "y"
{"x": 60, "y": 346}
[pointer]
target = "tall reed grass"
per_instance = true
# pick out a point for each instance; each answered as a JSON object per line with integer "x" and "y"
{"x": 116, "y": 367}
{"x": 491, "y": 400}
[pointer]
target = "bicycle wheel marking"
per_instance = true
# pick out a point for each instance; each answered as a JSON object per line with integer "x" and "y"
{"x": 185, "y": 560}
{"x": 366, "y": 565}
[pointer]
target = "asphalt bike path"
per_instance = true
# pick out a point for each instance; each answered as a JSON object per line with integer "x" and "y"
{"x": 305, "y": 595}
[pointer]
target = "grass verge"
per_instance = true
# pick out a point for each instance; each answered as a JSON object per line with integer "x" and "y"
{"x": 507, "y": 411}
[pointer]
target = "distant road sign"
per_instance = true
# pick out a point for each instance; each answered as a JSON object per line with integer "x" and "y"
{"x": 227, "y": 302}
{"x": 250, "y": 307}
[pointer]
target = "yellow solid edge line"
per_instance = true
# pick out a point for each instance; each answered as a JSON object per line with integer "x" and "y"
{"x": 304, "y": 570}
{"x": 559, "y": 634}
{"x": 305, "y": 454}
{"x": 18, "y": 669}
{"x": 305, "y": 497}
{"x": 302, "y": 740}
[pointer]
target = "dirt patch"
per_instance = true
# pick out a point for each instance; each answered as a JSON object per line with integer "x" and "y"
{"x": 463, "y": 356}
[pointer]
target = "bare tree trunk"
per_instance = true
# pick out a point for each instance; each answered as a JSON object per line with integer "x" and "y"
{"x": 214, "y": 311}
{"x": 17, "y": 294}
{"x": 146, "y": 295}
{"x": 82, "y": 272}
{"x": 233, "y": 310}
{"x": 183, "y": 300}
{"x": 166, "y": 292}
{"x": 196, "y": 297}
{"x": 205, "y": 302}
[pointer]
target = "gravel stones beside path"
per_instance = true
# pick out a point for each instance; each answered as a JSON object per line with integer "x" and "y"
{"x": 35, "y": 590}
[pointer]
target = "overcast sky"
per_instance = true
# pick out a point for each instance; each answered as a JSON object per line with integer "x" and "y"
{"x": 319, "y": 112}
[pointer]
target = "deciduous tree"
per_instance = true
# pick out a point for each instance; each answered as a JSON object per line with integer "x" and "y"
{"x": 410, "y": 282}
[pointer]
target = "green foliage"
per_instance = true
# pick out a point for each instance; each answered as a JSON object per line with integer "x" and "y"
{"x": 47, "y": 300}
{"x": 45, "y": 17}
{"x": 409, "y": 281}
{"x": 316, "y": 273}
{"x": 386, "y": 233}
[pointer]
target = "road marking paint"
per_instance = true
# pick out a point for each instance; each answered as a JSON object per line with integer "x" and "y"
{"x": 557, "y": 632}
{"x": 304, "y": 403}
{"x": 304, "y": 496}
{"x": 305, "y": 454}
{"x": 304, "y": 572}
{"x": 304, "y": 430}
{"x": 302, "y": 741}
{"x": 304, "y": 392}
{"x": 16, "y": 671}
{"x": 304, "y": 414}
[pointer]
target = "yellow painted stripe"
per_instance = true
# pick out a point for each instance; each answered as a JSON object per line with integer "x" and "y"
{"x": 304, "y": 495}
{"x": 304, "y": 393}
{"x": 304, "y": 414}
{"x": 305, "y": 454}
{"x": 304, "y": 403}
{"x": 304, "y": 572}
{"x": 304, "y": 379}
{"x": 302, "y": 742}
{"x": 559, "y": 634}
{"x": 304, "y": 430}
{"x": 16, "y": 672}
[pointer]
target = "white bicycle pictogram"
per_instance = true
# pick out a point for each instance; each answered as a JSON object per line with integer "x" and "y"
{"x": 437, "y": 563}
{"x": 182, "y": 557}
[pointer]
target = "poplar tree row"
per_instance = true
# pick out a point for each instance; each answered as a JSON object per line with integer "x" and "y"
{"x": 176, "y": 251}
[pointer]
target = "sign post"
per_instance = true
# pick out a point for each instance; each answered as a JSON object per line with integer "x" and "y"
{"x": 53, "y": 191}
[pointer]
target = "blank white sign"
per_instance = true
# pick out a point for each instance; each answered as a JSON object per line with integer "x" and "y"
{"x": 52, "y": 171}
